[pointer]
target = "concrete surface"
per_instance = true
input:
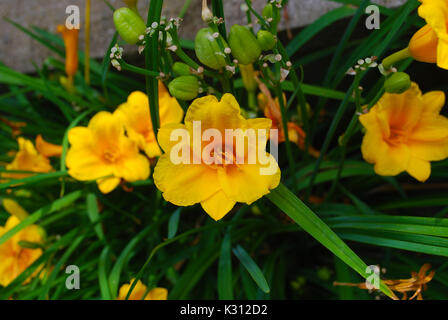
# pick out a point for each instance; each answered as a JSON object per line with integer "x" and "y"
{"x": 19, "y": 51}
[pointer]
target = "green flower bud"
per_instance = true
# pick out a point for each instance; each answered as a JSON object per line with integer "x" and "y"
{"x": 184, "y": 87}
{"x": 181, "y": 69}
{"x": 208, "y": 50}
{"x": 129, "y": 25}
{"x": 266, "y": 40}
{"x": 267, "y": 11}
{"x": 398, "y": 82}
{"x": 244, "y": 45}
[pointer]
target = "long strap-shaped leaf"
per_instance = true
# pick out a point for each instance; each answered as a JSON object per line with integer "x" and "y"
{"x": 285, "y": 200}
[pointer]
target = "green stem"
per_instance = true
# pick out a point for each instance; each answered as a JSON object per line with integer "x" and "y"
{"x": 129, "y": 67}
{"x": 152, "y": 63}
{"x": 395, "y": 57}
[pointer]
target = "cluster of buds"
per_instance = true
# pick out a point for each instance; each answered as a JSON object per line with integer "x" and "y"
{"x": 116, "y": 54}
{"x": 362, "y": 65}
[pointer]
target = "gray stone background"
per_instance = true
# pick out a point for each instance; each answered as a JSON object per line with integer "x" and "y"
{"x": 18, "y": 50}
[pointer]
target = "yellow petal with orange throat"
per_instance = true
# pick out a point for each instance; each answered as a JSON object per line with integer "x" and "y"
{"x": 435, "y": 12}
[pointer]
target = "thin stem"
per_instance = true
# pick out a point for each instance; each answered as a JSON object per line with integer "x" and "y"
{"x": 87, "y": 44}
{"x": 395, "y": 57}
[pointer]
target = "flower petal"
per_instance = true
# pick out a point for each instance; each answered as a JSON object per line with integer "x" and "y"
{"x": 108, "y": 184}
{"x": 391, "y": 161}
{"x": 185, "y": 184}
{"x": 218, "y": 205}
{"x": 246, "y": 183}
{"x": 419, "y": 169}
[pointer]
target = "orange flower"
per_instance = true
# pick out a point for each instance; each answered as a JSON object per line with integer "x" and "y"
{"x": 70, "y": 37}
{"x": 271, "y": 109}
{"x": 417, "y": 283}
{"x": 47, "y": 149}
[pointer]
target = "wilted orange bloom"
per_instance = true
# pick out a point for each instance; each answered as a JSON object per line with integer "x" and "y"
{"x": 271, "y": 109}
{"x": 404, "y": 132}
{"x": 136, "y": 118}
{"x": 26, "y": 159}
{"x": 103, "y": 153}
{"x": 14, "y": 259}
{"x": 70, "y": 37}
{"x": 15, "y": 126}
{"x": 430, "y": 43}
{"x": 217, "y": 182}
{"x": 139, "y": 292}
{"x": 417, "y": 283}
{"x": 47, "y": 149}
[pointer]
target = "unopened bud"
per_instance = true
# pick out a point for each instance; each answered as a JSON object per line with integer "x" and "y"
{"x": 184, "y": 87}
{"x": 398, "y": 82}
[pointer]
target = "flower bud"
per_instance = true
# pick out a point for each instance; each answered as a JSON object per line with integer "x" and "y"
{"x": 266, "y": 40}
{"x": 208, "y": 50}
{"x": 267, "y": 11}
{"x": 398, "y": 82}
{"x": 423, "y": 45}
{"x": 244, "y": 45}
{"x": 184, "y": 87}
{"x": 248, "y": 76}
{"x": 181, "y": 69}
{"x": 129, "y": 25}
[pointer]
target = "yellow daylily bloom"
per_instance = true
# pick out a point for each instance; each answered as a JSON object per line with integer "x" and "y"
{"x": 103, "y": 153}
{"x": 139, "y": 292}
{"x": 47, "y": 149}
{"x": 70, "y": 37}
{"x": 217, "y": 187}
{"x": 136, "y": 118}
{"x": 430, "y": 43}
{"x": 404, "y": 132}
{"x": 26, "y": 159}
{"x": 14, "y": 259}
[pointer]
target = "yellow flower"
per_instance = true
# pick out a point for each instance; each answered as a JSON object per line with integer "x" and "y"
{"x": 217, "y": 187}
{"x": 137, "y": 120}
{"x": 139, "y": 291}
{"x": 430, "y": 43}
{"x": 103, "y": 153}
{"x": 14, "y": 259}
{"x": 405, "y": 132}
{"x": 70, "y": 37}
{"x": 27, "y": 159}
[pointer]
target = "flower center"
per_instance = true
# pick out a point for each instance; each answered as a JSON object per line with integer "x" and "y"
{"x": 110, "y": 155}
{"x": 397, "y": 136}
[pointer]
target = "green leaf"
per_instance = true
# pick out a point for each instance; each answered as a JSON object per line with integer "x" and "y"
{"x": 310, "y": 31}
{"x": 173, "y": 224}
{"x": 251, "y": 267}
{"x": 225, "y": 287}
{"x": 94, "y": 216}
{"x": 286, "y": 201}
